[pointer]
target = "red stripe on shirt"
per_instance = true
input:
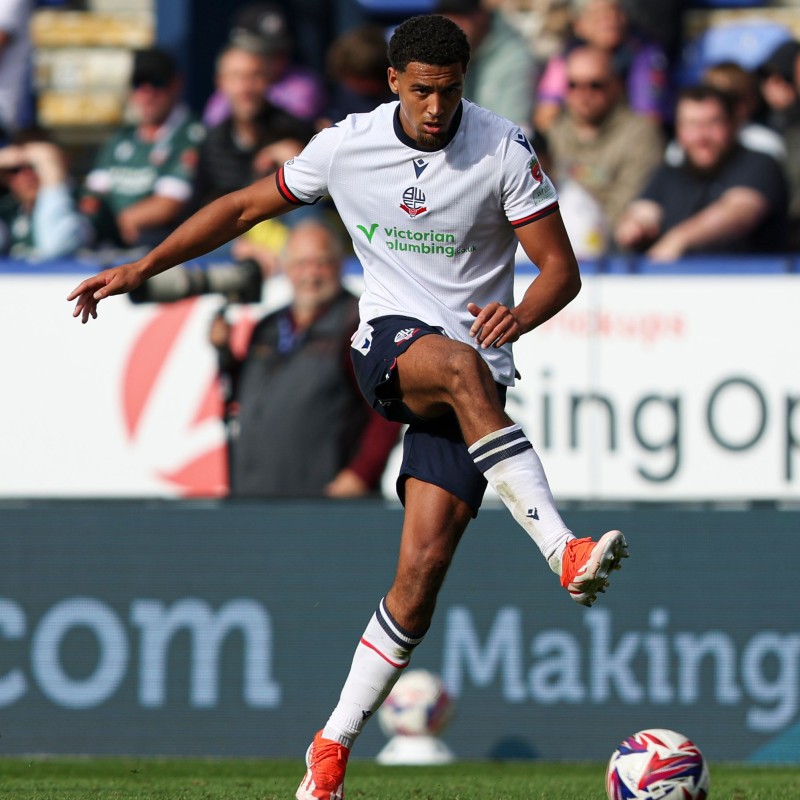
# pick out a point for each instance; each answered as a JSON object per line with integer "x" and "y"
{"x": 518, "y": 223}
{"x": 285, "y": 191}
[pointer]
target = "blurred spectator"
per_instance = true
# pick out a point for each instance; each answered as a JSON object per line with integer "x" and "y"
{"x": 642, "y": 64}
{"x": 252, "y": 142}
{"x": 597, "y": 140}
{"x": 294, "y": 88}
{"x": 256, "y": 138}
{"x": 502, "y": 69}
{"x": 38, "y": 216}
{"x": 298, "y": 425}
{"x": 143, "y": 176}
{"x": 777, "y": 82}
{"x": 15, "y": 64}
{"x": 722, "y": 198}
{"x": 742, "y": 87}
{"x": 545, "y": 24}
{"x": 357, "y": 71}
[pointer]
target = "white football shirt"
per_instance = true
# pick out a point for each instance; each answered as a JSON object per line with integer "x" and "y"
{"x": 433, "y": 230}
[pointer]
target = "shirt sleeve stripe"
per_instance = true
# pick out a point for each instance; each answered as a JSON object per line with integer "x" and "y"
{"x": 518, "y": 223}
{"x": 285, "y": 191}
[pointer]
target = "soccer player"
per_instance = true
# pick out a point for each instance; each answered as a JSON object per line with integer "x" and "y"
{"x": 432, "y": 189}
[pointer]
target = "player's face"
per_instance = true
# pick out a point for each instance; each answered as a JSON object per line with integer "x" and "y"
{"x": 429, "y": 98}
{"x": 705, "y": 132}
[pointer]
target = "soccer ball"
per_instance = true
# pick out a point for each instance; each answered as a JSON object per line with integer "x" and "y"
{"x": 418, "y": 705}
{"x": 654, "y": 764}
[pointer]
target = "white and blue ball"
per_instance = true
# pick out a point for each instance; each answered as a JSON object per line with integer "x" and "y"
{"x": 418, "y": 705}
{"x": 657, "y": 764}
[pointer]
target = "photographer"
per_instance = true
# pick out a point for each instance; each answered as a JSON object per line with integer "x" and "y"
{"x": 298, "y": 425}
{"x": 38, "y": 216}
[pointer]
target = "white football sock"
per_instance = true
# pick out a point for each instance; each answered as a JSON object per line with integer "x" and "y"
{"x": 380, "y": 658}
{"x": 513, "y": 469}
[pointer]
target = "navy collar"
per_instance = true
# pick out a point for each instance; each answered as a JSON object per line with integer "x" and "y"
{"x": 409, "y": 142}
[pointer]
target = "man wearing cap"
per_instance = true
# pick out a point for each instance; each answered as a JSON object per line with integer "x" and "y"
{"x": 143, "y": 177}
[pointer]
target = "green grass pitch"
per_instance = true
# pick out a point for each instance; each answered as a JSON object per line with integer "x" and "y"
{"x": 194, "y": 779}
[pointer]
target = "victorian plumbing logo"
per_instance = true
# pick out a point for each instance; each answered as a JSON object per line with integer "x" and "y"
{"x": 171, "y": 409}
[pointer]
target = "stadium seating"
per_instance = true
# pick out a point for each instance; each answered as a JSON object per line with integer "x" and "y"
{"x": 747, "y": 43}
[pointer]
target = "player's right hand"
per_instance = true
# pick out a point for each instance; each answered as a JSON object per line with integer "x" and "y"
{"x": 90, "y": 292}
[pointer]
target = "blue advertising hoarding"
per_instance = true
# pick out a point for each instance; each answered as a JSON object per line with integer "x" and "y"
{"x": 226, "y": 629}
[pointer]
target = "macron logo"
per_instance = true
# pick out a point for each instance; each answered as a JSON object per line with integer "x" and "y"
{"x": 533, "y": 513}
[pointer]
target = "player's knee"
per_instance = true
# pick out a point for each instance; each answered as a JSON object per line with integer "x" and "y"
{"x": 465, "y": 372}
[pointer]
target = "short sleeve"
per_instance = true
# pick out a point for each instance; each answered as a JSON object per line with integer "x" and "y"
{"x": 526, "y": 192}
{"x": 305, "y": 177}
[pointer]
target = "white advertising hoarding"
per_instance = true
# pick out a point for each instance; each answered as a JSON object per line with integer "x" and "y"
{"x": 644, "y": 388}
{"x": 663, "y": 388}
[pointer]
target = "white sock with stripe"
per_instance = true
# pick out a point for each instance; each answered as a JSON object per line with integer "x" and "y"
{"x": 513, "y": 469}
{"x": 380, "y": 658}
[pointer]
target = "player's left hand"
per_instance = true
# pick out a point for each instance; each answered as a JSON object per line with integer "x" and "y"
{"x": 495, "y": 324}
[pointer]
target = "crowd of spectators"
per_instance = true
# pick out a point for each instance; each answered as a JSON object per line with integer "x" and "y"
{"x": 595, "y": 88}
{"x": 643, "y": 165}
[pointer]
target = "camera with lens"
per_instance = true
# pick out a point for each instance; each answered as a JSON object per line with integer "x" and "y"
{"x": 238, "y": 282}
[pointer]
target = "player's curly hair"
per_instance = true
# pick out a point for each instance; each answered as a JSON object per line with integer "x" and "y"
{"x": 428, "y": 39}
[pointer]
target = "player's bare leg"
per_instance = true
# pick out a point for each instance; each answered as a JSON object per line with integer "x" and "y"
{"x": 437, "y": 374}
{"x": 433, "y": 525}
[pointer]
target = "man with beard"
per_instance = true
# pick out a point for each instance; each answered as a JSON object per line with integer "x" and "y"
{"x": 723, "y": 198}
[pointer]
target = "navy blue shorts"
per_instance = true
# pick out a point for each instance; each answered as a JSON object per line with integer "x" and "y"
{"x": 434, "y": 450}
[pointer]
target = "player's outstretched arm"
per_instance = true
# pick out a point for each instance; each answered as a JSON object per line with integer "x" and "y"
{"x": 211, "y": 227}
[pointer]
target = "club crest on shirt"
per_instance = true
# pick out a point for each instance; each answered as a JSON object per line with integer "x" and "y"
{"x": 413, "y": 202}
